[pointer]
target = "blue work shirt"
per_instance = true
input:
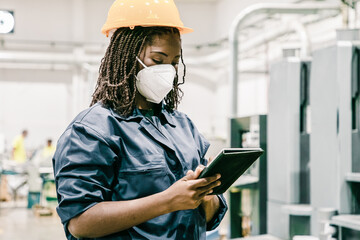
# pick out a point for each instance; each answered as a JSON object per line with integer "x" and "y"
{"x": 103, "y": 156}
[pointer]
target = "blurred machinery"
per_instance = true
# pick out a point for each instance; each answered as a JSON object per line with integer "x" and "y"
{"x": 334, "y": 140}
{"x": 248, "y": 212}
{"x": 313, "y": 155}
{"x": 288, "y": 148}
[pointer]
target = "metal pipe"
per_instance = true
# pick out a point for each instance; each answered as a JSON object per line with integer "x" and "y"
{"x": 305, "y": 48}
{"x": 259, "y": 40}
{"x": 36, "y": 66}
{"x": 48, "y": 57}
{"x": 269, "y": 8}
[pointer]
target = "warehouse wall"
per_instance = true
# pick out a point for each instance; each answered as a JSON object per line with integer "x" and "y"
{"x": 68, "y": 21}
{"x": 50, "y": 20}
{"x": 35, "y": 100}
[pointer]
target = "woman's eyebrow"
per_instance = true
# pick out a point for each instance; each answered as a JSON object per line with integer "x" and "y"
{"x": 162, "y": 53}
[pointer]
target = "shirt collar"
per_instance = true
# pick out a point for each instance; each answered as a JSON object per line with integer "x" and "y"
{"x": 136, "y": 114}
{"x": 168, "y": 114}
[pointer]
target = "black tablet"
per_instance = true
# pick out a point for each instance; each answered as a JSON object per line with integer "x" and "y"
{"x": 231, "y": 163}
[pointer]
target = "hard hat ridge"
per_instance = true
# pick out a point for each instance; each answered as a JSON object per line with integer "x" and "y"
{"x": 146, "y": 13}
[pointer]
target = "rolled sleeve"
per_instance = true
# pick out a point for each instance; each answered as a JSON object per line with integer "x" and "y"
{"x": 84, "y": 171}
{"x": 215, "y": 221}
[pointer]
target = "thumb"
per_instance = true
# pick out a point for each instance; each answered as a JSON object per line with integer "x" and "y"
{"x": 189, "y": 175}
{"x": 198, "y": 170}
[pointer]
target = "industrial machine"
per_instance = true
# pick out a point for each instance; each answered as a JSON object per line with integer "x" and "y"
{"x": 289, "y": 148}
{"x": 334, "y": 140}
{"x": 248, "y": 210}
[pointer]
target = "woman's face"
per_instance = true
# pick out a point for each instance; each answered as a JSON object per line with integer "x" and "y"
{"x": 164, "y": 49}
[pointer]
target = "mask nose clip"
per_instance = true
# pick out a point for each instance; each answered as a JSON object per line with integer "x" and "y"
{"x": 143, "y": 64}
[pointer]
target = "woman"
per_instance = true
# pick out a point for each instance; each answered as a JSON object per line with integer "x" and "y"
{"x": 127, "y": 167}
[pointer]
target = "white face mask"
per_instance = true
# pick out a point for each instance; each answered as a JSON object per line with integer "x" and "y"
{"x": 155, "y": 82}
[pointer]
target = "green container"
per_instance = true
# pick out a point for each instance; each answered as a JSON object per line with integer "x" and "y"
{"x": 33, "y": 198}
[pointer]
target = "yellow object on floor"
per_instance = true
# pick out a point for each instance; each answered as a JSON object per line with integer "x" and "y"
{"x": 4, "y": 194}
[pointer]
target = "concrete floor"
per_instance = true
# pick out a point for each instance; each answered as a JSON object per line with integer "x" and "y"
{"x": 19, "y": 223}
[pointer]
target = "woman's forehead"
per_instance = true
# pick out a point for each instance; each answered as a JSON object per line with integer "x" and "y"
{"x": 166, "y": 42}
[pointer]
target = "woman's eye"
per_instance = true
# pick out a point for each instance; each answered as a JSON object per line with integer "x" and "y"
{"x": 157, "y": 61}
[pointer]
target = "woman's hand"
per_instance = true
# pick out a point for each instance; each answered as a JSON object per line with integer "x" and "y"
{"x": 209, "y": 197}
{"x": 210, "y": 203}
{"x": 189, "y": 192}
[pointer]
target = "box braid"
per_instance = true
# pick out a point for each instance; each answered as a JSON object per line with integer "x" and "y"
{"x": 116, "y": 85}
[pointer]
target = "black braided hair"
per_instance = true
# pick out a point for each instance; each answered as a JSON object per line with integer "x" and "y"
{"x": 116, "y": 85}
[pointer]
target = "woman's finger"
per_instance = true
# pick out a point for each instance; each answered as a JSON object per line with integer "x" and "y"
{"x": 202, "y": 182}
{"x": 204, "y": 194}
{"x": 209, "y": 187}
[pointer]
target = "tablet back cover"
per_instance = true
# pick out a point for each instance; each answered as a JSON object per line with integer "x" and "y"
{"x": 231, "y": 164}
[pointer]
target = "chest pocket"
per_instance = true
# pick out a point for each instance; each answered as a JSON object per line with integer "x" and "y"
{"x": 143, "y": 175}
{"x": 136, "y": 142}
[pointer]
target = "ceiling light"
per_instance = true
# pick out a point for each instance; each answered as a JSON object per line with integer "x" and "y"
{"x": 7, "y": 22}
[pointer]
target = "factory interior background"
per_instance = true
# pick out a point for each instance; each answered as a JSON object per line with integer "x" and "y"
{"x": 281, "y": 75}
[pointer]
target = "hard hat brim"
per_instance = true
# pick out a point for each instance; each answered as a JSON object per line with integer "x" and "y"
{"x": 183, "y": 30}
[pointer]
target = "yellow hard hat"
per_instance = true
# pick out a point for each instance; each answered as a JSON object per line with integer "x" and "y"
{"x": 146, "y": 13}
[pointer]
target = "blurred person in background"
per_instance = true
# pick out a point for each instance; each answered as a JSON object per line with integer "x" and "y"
{"x": 43, "y": 157}
{"x": 49, "y": 150}
{"x": 128, "y": 166}
{"x": 18, "y": 147}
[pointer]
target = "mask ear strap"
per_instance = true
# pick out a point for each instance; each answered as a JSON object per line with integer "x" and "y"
{"x": 141, "y": 62}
